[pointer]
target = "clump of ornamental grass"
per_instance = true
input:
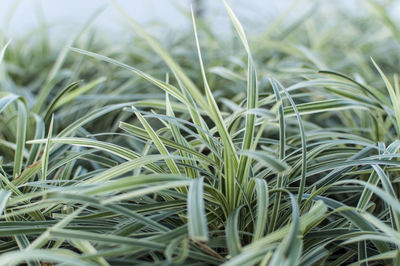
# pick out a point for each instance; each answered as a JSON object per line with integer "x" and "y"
{"x": 303, "y": 174}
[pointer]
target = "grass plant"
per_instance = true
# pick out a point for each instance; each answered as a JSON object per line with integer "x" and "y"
{"x": 284, "y": 152}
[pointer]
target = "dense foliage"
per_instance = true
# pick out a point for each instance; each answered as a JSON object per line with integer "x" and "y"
{"x": 188, "y": 149}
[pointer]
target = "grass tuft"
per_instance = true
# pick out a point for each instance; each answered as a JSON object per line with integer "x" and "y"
{"x": 271, "y": 148}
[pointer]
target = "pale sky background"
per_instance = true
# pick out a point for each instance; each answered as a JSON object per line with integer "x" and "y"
{"x": 73, "y": 13}
{"x": 66, "y": 16}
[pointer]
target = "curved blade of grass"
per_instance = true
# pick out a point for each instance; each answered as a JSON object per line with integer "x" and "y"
{"x": 232, "y": 233}
{"x": 197, "y": 221}
{"x": 6, "y": 100}
{"x": 179, "y": 138}
{"x": 60, "y": 95}
{"x": 275, "y": 164}
{"x": 230, "y": 157}
{"x": 54, "y": 255}
{"x": 158, "y": 143}
{"x": 154, "y": 189}
{"x": 29, "y": 172}
{"x": 351, "y": 215}
{"x": 79, "y": 91}
{"x": 35, "y": 150}
{"x": 104, "y": 146}
{"x": 9, "y": 185}
{"x": 109, "y": 207}
{"x": 45, "y": 158}
{"x": 366, "y": 89}
{"x": 3, "y": 50}
{"x": 78, "y": 234}
{"x": 90, "y": 117}
{"x": 394, "y": 97}
{"x": 289, "y": 251}
{"x": 4, "y": 195}
{"x": 262, "y": 208}
{"x": 22, "y": 121}
{"x": 282, "y": 148}
{"x": 257, "y": 250}
{"x": 162, "y": 85}
{"x": 252, "y": 99}
{"x": 127, "y": 167}
{"x": 303, "y": 145}
{"x": 324, "y": 106}
{"x": 387, "y": 185}
{"x": 385, "y": 196}
{"x": 127, "y": 183}
{"x": 136, "y": 131}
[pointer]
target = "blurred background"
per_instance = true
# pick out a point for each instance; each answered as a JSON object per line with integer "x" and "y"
{"x": 286, "y": 36}
{"x": 20, "y": 16}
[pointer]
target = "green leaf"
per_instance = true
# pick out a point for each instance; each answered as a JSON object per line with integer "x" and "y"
{"x": 3, "y": 51}
{"x": 232, "y": 233}
{"x": 4, "y": 195}
{"x": 289, "y": 251}
{"x": 262, "y": 208}
{"x": 267, "y": 160}
{"x": 58, "y": 98}
{"x": 22, "y": 121}
{"x": 197, "y": 221}
{"x": 45, "y": 158}
{"x": 159, "y": 144}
